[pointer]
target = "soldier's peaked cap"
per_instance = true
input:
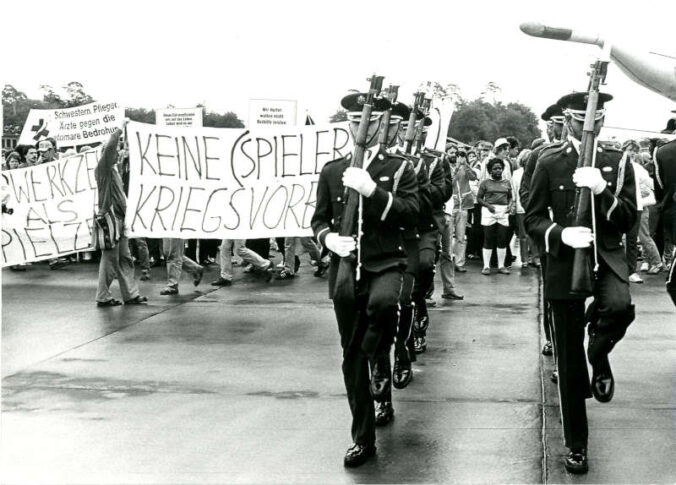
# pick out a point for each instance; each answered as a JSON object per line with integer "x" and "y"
{"x": 553, "y": 110}
{"x": 578, "y": 101}
{"x": 356, "y": 101}
{"x": 401, "y": 110}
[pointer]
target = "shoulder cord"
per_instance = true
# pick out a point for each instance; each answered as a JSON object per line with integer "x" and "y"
{"x": 593, "y": 210}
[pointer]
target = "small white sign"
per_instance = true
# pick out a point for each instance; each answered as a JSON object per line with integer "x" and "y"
{"x": 189, "y": 117}
{"x": 272, "y": 113}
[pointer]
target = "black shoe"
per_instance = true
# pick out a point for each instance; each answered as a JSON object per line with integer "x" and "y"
{"x": 554, "y": 377}
{"x": 602, "y": 383}
{"x": 420, "y": 344}
{"x": 402, "y": 374}
{"x": 547, "y": 349}
{"x": 357, "y": 455}
{"x": 321, "y": 269}
{"x": 452, "y": 295}
{"x": 576, "y": 461}
{"x": 380, "y": 381}
{"x": 384, "y": 413}
{"x": 197, "y": 279}
{"x": 221, "y": 282}
{"x": 285, "y": 274}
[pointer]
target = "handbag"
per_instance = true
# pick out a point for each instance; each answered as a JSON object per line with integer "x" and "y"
{"x": 106, "y": 230}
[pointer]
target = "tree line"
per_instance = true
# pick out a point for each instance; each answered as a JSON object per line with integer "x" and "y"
{"x": 483, "y": 118}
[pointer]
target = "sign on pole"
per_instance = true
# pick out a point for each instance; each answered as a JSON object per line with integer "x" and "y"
{"x": 191, "y": 117}
{"x": 82, "y": 125}
{"x": 272, "y": 112}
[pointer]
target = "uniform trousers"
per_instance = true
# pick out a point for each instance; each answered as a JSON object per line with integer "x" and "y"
{"x": 403, "y": 341}
{"x": 568, "y": 325}
{"x": 609, "y": 314}
{"x": 367, "y": 328}
{"x": 427, "y": 250}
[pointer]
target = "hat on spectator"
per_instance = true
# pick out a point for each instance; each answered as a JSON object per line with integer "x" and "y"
{"x": 500, "y": 142}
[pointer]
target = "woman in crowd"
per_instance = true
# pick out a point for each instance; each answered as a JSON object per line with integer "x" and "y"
{"x": 496, "y": 200}
{"x": 524, "y": 246}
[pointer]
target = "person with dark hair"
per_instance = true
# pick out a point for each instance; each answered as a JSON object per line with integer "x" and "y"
{"x": 29, "y": 155}
{"x": 514, "y": 148}
{"x": 500, "y": 151}
{"x": 496, "y": 198}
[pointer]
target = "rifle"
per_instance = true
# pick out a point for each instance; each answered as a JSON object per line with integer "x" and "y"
{"x": 425, "y": 108}
{"x": 581, "y": 282}
{"x": 409, "y": 138}
{"x": 391, "y": 95}
{"x": 344, "y": 289}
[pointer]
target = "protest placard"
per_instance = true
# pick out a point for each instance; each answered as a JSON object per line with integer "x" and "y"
{"x": 227, "y": 183}
{"x": 272, "y": 112}
{"x": 191, "y": 117}
{"x": 53, "y": 207}
{"x": 83, "y": 125}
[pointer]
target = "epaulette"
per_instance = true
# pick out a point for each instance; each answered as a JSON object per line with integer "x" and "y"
{"x": 399, "y": 156}
{"x": 341, "y": 159}
{"x": 554, "y": 148}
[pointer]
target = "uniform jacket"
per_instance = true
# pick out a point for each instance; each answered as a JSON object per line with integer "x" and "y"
{"x": 441, "y": 189}
{"x": 393, "y": 205}
{"x": 665, "y": 191}
{"x": 552, "y": 188}
{"x": 419, "y": 168}
{"x": 528, "y": 170}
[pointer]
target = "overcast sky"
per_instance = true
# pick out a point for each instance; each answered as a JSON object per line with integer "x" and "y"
{"x": 152, "y": 54}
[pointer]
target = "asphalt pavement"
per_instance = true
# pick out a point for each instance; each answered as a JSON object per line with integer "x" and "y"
{"x": 243, "y": 384}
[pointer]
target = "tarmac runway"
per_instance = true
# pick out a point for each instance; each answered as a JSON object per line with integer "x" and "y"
{"x": 243, "y": 384}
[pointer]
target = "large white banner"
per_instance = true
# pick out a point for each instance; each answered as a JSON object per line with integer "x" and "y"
{"x": 227, "y": 183}
{"x": 90, "y": 123}
{"x": 441, "y": 114}
{"x": 191, "y": 117}
{"x": 53, "y": 207}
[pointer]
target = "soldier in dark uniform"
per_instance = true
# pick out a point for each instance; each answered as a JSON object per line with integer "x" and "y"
{"x": 403, "y": 350}
{"x": 387, "y": 189}
{"x": 611, "y": 180}
{"x": 665, "y": 174}
{"x": 430, "y": 222}
{"x": 553, "y": 115}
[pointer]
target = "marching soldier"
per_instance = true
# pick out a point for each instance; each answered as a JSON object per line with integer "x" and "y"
{"x": 555, "y": 129}
{"x": 611, "y": 181}
{"x": 367, "y": 325}
{"x": 403, "y": 350}
{"x": 430, "y": 223}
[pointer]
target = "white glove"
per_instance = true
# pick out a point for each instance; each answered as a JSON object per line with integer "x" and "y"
{"x": 341, "y": 245}
{"x": 589, "y": 177}
{"x": 577, "y": 237}
{"x": 359, "y": 180}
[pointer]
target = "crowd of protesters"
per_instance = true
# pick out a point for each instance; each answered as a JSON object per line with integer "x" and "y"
{"x": 483, "y": 222}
